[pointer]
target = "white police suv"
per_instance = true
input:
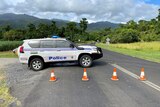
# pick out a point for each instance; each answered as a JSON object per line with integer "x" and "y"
{"x": 37, "y": 52}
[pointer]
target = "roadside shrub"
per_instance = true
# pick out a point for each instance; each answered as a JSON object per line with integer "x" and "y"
{"x": 125, "y": 36}
{"x": 94, "y": 36}
{"x": 9, "y": 45}
{"x": 103, "y": 39}
{"x": 149, "y": 37}
{"x": 13, "y": 35}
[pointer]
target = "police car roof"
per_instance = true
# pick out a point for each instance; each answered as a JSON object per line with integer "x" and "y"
{"x": 45, "y": 39}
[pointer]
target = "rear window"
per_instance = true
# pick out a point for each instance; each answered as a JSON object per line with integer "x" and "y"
{"x": 34, "y": 44}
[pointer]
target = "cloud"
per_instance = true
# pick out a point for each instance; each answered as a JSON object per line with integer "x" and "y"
{"x": 8, "y": 6}
{"x": 3, "y": 5}
{"x": 93, "y": 10}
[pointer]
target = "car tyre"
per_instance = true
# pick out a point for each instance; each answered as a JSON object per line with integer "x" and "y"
{"x": 36, "y": 64}
{"x": 85, "y": 61}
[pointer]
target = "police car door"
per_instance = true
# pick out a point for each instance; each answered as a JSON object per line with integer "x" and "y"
{"x": 48, "y": 50}
{"x": 65, "y": 51}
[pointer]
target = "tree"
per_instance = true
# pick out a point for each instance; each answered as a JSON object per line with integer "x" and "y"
{"x": 125, "y": 36}
{"x": 71, "y": 30}
{"x": 31, "y": 27}
{"x": 158, "y": 17}
{"x": 31, "y": 31}
{"x": 143, "y": 25}
{"x": 157, "y": 29}
{"x": 13, "y": 35}
{"x": 43, "y": 30}
{"x": 83, "y": 25}
{"x": 1, "y": 35}
{"x": 95, "y": 35}
{"x": 152, "y": 24}
{"x": 131, "y": 24}
{"x": 53, "y": 28}
{"x": 61, "y": 32}
{"x": 7, "y": 28}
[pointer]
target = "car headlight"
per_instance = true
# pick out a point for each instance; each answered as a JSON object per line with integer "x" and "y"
{"x": 95, "y": 49}
{"x": 99, "y": 52}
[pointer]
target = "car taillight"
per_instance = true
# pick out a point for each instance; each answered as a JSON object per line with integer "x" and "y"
{"x": 21, "y": 49}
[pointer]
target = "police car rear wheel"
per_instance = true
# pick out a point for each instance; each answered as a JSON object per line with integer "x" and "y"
{"x": 36, "y": 64}
{"x": 85, "y": 61}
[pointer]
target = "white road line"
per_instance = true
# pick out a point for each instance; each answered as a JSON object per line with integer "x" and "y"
{"x": 136, "y": 77}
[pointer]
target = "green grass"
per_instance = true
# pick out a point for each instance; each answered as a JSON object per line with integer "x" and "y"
{"x": 9, "y": 45}
{"x": 8, "y": 54}
{"x": 5, "y": 93}
{"x": 145, "y": 50}
{"x": 6, "y": 48}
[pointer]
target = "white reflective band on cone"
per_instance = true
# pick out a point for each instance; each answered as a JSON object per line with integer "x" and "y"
{"x": 142, "y": 73}
{"x": 114, "y": 74}
{"x": 52, "y": 75}
{"x": 85, "y": 74}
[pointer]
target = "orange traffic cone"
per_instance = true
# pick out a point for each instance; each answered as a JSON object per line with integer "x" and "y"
{"x": 114, "y": 76}
{"x": 53, "y": 77}
{"x": 142, "y": 75}
{"x": 85, "y": 78}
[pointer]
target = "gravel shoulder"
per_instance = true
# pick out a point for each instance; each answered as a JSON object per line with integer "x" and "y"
{"x": 20, "y": 79}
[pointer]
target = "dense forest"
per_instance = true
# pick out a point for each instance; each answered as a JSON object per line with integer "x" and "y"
{"x": 126, "y": 33}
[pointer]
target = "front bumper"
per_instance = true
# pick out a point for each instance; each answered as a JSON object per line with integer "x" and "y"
{"x": 97, "y": 55}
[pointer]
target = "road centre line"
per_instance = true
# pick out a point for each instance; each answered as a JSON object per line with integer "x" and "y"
{"x": 136, "y": 77}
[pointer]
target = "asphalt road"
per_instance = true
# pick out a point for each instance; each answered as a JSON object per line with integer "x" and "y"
{"x": 100, "y": 90}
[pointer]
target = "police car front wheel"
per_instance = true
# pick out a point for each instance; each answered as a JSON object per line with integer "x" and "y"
{"x": 36, "y": 64}
{"x": 85, "y": 61}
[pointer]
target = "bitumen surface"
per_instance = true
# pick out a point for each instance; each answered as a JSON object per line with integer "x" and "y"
{"x": 100, "y": 91}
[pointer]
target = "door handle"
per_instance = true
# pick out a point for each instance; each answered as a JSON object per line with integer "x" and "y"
{"x": 58, "y": 50}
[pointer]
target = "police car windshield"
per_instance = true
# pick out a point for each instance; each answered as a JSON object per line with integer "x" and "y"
{"x": 73, "y": 43}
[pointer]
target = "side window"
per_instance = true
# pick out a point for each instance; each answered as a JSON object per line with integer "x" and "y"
{"x": 47, "y": 44}
{"x": 62, "y": 44}
{"x": 34, "y": 44}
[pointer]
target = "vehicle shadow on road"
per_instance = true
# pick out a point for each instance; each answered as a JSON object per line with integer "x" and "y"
{"x": 66, "y": 64}
{"x": 99, "y": 63}
{"x": 75, "y": 64}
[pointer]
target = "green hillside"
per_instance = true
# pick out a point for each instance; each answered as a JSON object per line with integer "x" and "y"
{"x": 22, "y": 20}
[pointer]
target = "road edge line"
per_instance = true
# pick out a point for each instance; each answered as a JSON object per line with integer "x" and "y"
{"x": 156, "y": 87}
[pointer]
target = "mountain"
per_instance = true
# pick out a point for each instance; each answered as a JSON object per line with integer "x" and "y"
{"x": 22, "y": 20}
{"x": 102, "y": 25}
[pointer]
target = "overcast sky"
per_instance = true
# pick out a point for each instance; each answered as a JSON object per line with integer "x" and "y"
{"x": 94, "y": 10}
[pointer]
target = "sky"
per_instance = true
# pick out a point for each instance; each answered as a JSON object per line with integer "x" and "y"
{"x": 156, "y": 2}
{"x": 117, "y": 11}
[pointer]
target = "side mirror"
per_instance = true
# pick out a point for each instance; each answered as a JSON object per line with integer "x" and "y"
{"x": 71, "y": 45}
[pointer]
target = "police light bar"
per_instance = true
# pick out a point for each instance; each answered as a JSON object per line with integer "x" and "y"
{"x": 55, "y": 36}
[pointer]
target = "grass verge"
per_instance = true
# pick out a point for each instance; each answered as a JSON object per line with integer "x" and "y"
{"x": 5, "y": 98}
{"x": 147, "y": 50}
{"x": 9, "y": 45}
{"x": 8, "y": 54}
